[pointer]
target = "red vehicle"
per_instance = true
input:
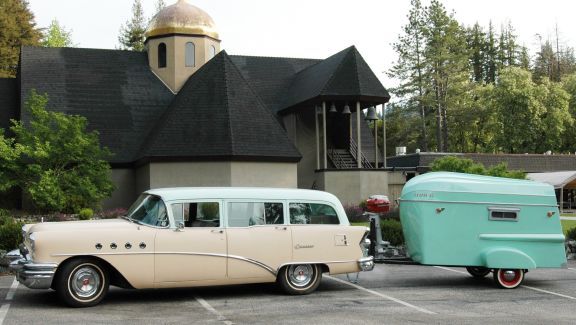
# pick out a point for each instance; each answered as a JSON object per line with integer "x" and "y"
{"x": 378, "y": 204}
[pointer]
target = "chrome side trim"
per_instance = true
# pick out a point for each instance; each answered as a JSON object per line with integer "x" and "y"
{"x": 236, "y": 257}
{"x": 241, "y": 258}
{"x": 483, "y": 203}
{"x": 260, "y": 264}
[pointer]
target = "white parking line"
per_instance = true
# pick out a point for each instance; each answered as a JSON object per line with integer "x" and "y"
{"x": 523, "y": 286}
{"x": 426, "y": 311}
{"x": 211, "y": 309}
{"x": 571, "y": 269}
{"x": 9, "y": 296}
{"x": 12, "y": 291}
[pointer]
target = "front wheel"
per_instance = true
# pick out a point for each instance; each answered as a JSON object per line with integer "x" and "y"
{"x": 477, "y": 271}
{"x": 82, "y": 283}
{"x": 508, "y": 278}
{"x": 299, "y": 279}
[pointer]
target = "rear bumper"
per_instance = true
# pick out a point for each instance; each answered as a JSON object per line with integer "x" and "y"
{"x": 366, "y": 263}
{"x": 33, "y": 275}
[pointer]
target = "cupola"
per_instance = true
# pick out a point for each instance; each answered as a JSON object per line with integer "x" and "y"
{"x": 179, "y": 40}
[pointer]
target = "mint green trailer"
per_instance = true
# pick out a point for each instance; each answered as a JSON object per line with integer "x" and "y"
{"x": 484, "y": 223}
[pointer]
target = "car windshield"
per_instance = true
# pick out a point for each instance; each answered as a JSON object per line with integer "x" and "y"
{"x": 149, "y": 210}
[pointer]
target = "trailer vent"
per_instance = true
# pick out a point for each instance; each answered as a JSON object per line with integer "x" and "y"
{"x": 504, "y": 214}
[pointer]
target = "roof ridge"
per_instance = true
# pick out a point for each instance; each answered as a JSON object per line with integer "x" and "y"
{"x": 274, "y": 57}
{"x": 227, "y": 100}
{"x": 337, "y": 68}
{"x": 258, "y": 100}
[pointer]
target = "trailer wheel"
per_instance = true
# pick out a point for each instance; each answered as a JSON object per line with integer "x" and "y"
{"x": 508, "y": 278}
{"x": 478, "y": 271}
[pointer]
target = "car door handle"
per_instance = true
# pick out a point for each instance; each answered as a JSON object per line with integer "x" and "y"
{"x": 217, "y": 231}
{"x": 281, "y": 228}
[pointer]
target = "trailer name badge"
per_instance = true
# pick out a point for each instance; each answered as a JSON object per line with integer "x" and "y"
{"x": 424, "y": 195}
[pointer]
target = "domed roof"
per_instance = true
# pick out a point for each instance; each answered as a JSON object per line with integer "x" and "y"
{"x": 182, "y": 18}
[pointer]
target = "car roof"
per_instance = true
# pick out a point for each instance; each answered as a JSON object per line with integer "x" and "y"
{"x": 253, "y": 193}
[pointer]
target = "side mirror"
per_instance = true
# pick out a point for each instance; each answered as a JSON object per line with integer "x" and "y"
{"x": 180, "y": 226}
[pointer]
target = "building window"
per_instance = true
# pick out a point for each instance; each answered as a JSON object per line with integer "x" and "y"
{"x": 313, "y": 213}
{"x": 212, "y": 51}
{"x": 246, "y": 214}
{"x": 162, "y": 55}
{"x": 190, "y": 54}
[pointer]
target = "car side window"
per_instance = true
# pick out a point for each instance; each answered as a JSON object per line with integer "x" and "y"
{"x": 197, "y": 214}
{"x": 313, "y": 214}
{"x": 246, "y": 214}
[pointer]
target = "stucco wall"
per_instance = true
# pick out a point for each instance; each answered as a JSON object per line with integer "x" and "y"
{"x": 301, "y": 130}
{"x": 264, "y": 174}
{"x": 142, "y": 179}
{"x": 174, "y": 174}
{"x": 171, "y": 174}
{"x": 125, "y": 193}
{"x": 176, "y": 72}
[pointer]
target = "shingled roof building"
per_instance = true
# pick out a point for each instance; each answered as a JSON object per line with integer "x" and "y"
{"x": 185, "y": 113}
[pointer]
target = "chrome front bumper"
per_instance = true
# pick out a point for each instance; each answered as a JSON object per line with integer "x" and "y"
{"x": 33, "y": 275}
{"x": 366, "y": 263}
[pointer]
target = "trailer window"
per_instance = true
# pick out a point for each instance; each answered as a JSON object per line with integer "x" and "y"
{"x": 504, "y": 214}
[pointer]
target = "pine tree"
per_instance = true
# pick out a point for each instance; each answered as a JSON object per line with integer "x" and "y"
{"x": 132, "y": 33}
{"x": 57, "y": 36}
{"x": 447, "y": 60}
{"x": 491, "y": 55}
{"x": 477, "y": 46}
{"x": 17, "y": 28}
{"x": 410, "y": 66}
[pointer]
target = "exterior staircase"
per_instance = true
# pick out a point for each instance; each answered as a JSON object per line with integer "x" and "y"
{"x": 346, "y": 158}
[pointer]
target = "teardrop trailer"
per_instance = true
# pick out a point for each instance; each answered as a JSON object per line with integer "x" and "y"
{"x": 486, "y": 224}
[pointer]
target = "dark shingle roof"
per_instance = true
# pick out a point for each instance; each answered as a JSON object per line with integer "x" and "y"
{"x": 115, "y": 90}
{"x": 8, "y": 102}
{"x": 217, "y": 115}
{"x": 270, "y": 77}
{"x": 343, "y": 75}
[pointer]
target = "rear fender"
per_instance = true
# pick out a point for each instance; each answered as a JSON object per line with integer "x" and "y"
{"x": 504, "y": 257}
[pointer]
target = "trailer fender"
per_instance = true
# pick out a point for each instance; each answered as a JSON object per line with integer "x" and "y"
{"x": 505, "y": 257}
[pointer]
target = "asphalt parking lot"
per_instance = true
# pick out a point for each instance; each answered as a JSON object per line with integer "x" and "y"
{"x": 391, "y": 294}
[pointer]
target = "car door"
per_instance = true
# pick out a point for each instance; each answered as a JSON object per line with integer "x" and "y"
{"x": 259, "y": 240}
{"x": 195, "y": 252}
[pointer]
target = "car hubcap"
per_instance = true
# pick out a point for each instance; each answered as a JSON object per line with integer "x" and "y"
{"x": 85, "y": 282}
{"x": 300, "y": 275}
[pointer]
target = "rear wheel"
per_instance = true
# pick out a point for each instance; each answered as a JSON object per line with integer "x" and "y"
{"x": 82, "y": 282}
{"x": 478, "y": 271}
{"x": 300, "y": 279}
{"x": 508, "y": 278}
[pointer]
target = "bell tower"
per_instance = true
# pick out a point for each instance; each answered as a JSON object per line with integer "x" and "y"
{"x": 179, "y": 40}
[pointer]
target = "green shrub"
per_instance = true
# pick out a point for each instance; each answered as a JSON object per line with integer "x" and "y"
{"x": 571, "y": 233}
{"x": 85, "y": 214}
{"x": 10, "y": 233}
{"x": 392, "y": 232}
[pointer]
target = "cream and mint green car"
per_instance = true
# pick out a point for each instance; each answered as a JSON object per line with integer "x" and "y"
{"x": 187, "y": 237}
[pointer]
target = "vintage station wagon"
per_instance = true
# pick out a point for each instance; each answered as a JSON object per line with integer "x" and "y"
{"x": 186, "y": 237}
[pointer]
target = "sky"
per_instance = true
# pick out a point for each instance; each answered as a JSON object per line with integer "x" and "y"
{"x": 312, "y": 28}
